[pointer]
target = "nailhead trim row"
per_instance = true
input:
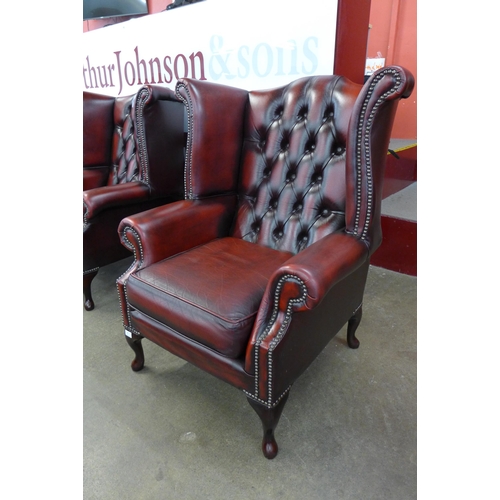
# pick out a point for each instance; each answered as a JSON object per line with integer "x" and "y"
{"x": 288, "y": 315}
{"x": 136, "y": 259}
{"x": 266, "y": 403}
{"x": 132, "y": 331}
{"x": 364, "y": 138}
{"x": 130, "y": 246}
{"x": 121, "y": 164}
{"x": 142, "y": 152}
{"x": 188, "y": 188}
{"x": 85, "y": 221}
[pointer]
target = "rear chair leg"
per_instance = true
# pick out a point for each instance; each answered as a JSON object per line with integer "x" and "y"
{"x": 269, "y": 418}
{"x": 87, "y": 293}
{"x": 352, "y": 326}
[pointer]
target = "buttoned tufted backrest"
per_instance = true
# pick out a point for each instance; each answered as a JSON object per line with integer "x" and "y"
{"x": 292, "y": 188}
{"x": 125, "y": 165}
{"x": 303, "y": 161}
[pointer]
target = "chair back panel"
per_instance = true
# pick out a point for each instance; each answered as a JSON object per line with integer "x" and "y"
{"x": 125, "y": 167}
{"x": 292, "y": 181}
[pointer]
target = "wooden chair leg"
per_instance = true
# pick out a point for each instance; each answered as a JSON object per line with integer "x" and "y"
{"x": 87, "y": 293}
{"x": 269, "y": 418}
{"x": 352, "y": 326}
{"x": 134, "y": 341}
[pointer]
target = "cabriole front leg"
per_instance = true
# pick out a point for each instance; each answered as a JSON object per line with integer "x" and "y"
{"x": 269, "y": 418}
{"x": 134, "y": 341}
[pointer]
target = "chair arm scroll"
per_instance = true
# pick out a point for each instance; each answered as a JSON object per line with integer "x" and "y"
{"x": 300, "y": 284}
{"x": 324, "y": 264}
{"x": 99, "y": 199}
{"x": 167, "y": 230}
{"x": 164, "y": 231}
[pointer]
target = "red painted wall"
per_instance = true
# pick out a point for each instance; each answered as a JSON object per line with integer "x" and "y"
{"x": 393, "y": 33}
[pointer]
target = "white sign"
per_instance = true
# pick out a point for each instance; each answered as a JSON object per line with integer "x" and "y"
{"x": 252, "y": 45}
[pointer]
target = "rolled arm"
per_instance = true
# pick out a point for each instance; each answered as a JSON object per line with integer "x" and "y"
{"x": 99, "y": 199}
{"x": 323, "y": 264}
{"x": 164, "y": 231}
{"x": 161, "y": 232}
{"x": 301, "y": 283}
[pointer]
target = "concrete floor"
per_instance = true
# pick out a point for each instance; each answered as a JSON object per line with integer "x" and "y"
{"x": 402, "y": 204}
{"x": 171, "y": 431}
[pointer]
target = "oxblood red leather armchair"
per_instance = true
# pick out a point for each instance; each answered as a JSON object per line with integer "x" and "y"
{"x": 133, "y": 160}
{"x": 266, "y": 259}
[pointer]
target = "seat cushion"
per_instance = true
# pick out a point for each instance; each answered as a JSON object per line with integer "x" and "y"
{"x": 210, "y": 294}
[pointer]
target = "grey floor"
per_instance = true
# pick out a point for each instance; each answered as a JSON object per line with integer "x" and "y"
{"x": 171, "y": 431}
{"x": 402, "y": 204}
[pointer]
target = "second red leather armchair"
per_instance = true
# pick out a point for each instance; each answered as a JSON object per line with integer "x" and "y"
{"x": 133, "y": 160}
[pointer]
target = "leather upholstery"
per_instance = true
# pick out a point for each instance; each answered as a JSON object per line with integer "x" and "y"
{"x": 98, "y": 130}
{"x": 133, "y": 153}
{"x": 125, "y": 167}
{"x": 220, "y": 316}
{"x": 293, "y": 168}
{"x": 266, "y": 259}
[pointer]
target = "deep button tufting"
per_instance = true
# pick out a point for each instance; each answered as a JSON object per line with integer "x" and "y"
{"x": 339, "y": 150}
{"x": 317, "y": 178}
{"x": 310, "y": 147}
{"x": 325, "y": 212}
{"x": 297, "y": 207}
{"x": 255, "y": 227}
{"x": 266, "y": 172}
{"x": 251, "y": 199}
{"x": 273, "y": 204}
{"x": 329, "y": 114}
{"x": 291, "y": 176}
{"x": 284, "y": 144}
{"x": 302, "y": 114}
{"x": 278, "y": 233}
{"x": 302, "y": 239}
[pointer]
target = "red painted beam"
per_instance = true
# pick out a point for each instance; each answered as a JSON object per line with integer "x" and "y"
{"x": 353, "y": 19}
{"x": 398, "y": 251}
